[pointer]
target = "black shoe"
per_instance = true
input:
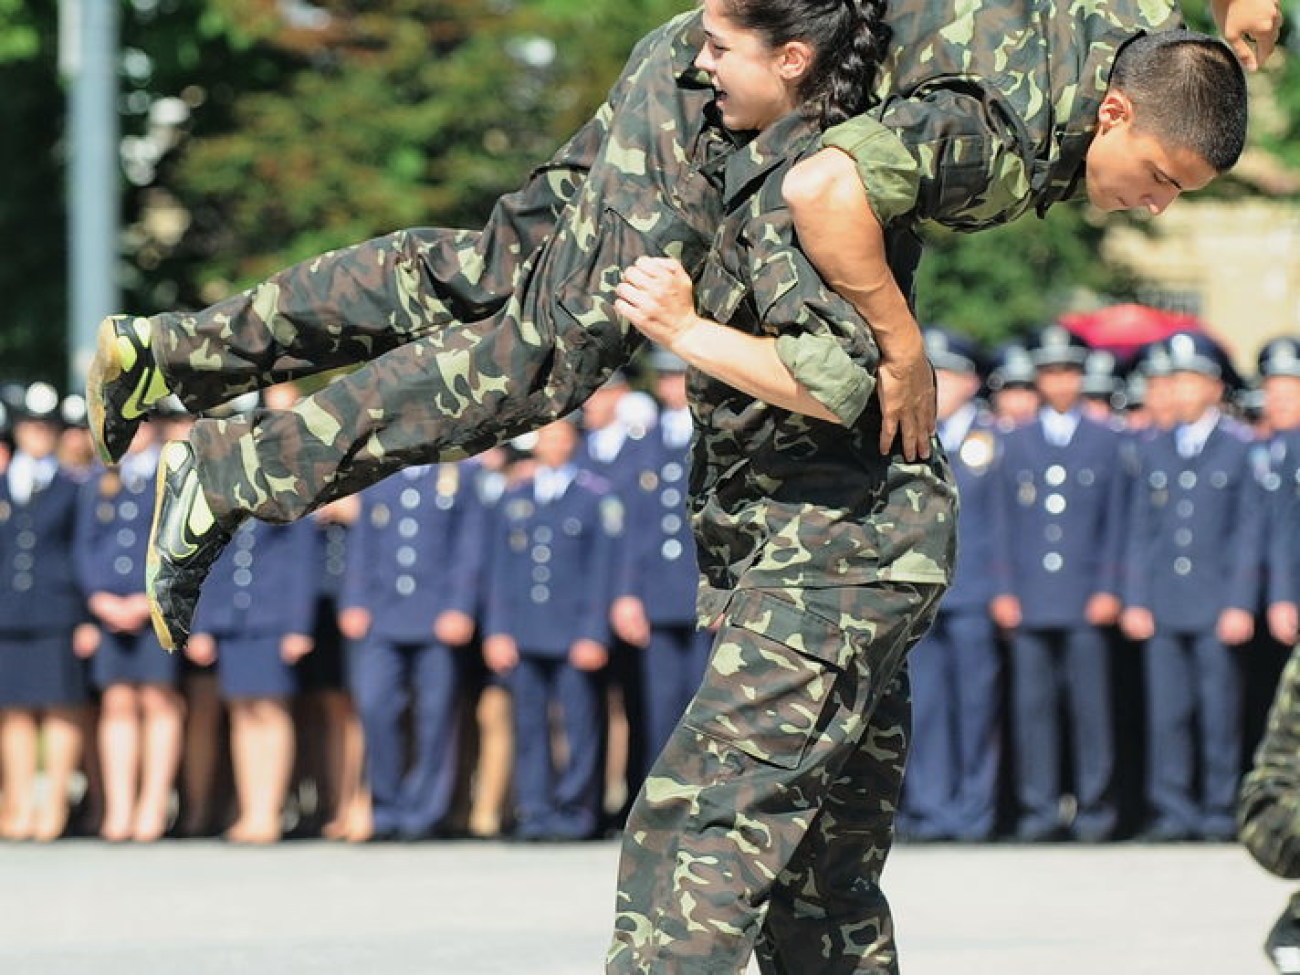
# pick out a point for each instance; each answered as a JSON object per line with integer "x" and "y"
{"x": 1283, "y": 944}
{"x": 123, "y": 382}
{"x": 185, "y": 540}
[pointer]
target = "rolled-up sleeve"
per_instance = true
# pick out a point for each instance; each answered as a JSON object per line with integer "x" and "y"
{"x": 820, "y": 338}
{"x": 943, "y": 157}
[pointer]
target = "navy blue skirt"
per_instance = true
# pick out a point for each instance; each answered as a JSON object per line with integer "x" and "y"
{"x": 250, "y": 667}
{"x": 133, "y": 658}
{"x": 39, "y": 670}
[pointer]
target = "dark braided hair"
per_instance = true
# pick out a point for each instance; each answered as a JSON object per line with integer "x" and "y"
{"x": 849, "y": 38}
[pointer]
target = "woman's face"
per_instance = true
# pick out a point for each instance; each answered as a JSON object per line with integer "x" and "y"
{"x": 754, "y": 84}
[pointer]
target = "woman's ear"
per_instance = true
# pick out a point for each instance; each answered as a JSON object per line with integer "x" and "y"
{"x": 794, "y": 61}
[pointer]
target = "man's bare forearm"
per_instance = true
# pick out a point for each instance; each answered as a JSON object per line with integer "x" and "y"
{"x": 842, "y": 237}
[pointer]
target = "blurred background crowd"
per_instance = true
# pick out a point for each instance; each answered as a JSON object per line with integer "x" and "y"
{"x": 499, "y": 647}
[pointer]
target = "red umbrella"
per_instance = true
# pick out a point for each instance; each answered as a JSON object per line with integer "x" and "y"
{"x": 1123, "y": 329}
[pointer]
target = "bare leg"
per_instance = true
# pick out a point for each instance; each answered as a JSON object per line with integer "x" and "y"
{"x": 343, "y": 761}
{"x": 18, "y": 750}
{"x": 163, "y": 711}
{"x": 261, "y": 733}
{"x": 496, "y": 749}
{"x": 119, "y": 758}
{"x": 63, "y": 730}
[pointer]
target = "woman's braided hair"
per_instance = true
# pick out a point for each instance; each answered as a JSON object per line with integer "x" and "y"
{"x": 849, "y": 38}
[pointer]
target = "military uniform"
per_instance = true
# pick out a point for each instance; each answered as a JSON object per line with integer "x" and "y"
{"x": 664, "y": 576}
{"x": 822, "y": 562}
{"x": 416, "y": 552}
{"x": 247, "y": 626}
{"x": 1058, "y": 530}
{"x": 950, "y": 790}
{"x": 1269, "y": 807}
{"x": 477, "y": 337}
{"x": 553, "y": 553}
{"x": 113, "y": 518}
{"x": 1193, "y": 552}
{"x": 40, "y": 601}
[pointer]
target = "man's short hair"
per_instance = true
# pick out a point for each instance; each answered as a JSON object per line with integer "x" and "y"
{"x": 1188, "y": 90}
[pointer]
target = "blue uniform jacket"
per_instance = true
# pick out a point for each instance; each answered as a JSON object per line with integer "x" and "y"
{"x": 263, "y": 584}
{"x": 113, "y": 520}
{"x": 972, "y": 466}
{"x": 1194, "y": 530}
{"x": 662, "y": 570}
{"x": 552, "y": 566}
{"x": 416, "y": 551}
{"x": 38, "y": 584}
{"x": 1058, "y": 521}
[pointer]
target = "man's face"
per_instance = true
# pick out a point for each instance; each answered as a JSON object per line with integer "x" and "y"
{"x": 1282, "y": 402}
{"x": 1130, "y": 169}
{"x": 670, "y": 390}
{"x": 1060, "y": 386}
{"x": 1193, "y": 394}
{"x": 555, "y": 443}
{"x": 36, "y": 438}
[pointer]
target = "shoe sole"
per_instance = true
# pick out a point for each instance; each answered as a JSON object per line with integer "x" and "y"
{"x": 106, "y": 368}
{"x": 152, "y": 563}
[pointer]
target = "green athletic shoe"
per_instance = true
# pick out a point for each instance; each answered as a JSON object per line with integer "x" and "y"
{"x": 123, "y": 382}
{"x": 185, "y": 540}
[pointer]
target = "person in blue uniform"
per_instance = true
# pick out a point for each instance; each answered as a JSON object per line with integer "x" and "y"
{"x": 625, "y": 456}
{"x": 950, "y": 787}
{"x": 1012, "y": 393}
{"x": 414, "y": 568}
{"x": 42, "y": 614}
{"x": 1058, "y": 530}
{"x": 1191, "y": 589}
{"x": 256, "y": 642}
{"x": 554, "y": 549}
{"x": 1279, "y": 373}
{"x": 141, "y": 709}
{"x": 656, "y": 611}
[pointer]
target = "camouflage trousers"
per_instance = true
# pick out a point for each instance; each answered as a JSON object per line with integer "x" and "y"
{"x": 465, "y": 339}
{"x": 765, "y": 823}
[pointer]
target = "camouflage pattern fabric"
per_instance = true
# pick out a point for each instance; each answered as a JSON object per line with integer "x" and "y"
{"x": 1268, "y": 812}
{"x": 765, "y": 822}
{"x": 987, "y": 107}
{"x": 769, "y": 814}
{"x": 781, "y": 500}
{"x": 455, "y": 391}
{"x": 472, "y": 335}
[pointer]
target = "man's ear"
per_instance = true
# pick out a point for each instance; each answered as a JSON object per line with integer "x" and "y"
{"x": 1116, "y": 109}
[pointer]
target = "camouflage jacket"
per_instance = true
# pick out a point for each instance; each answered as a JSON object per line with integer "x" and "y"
{"x": 779, "y": 499}
{"x": 1269, "y": 810}
{"x": 987, "y": 107}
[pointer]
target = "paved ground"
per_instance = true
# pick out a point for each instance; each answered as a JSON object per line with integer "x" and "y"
{"x": 84, "y": 908}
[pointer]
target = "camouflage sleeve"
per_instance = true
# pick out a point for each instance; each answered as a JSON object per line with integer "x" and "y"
{"x": 820, "y": 338}
{"x": 938, "y": 157}
{"x": 1269, "y": 809}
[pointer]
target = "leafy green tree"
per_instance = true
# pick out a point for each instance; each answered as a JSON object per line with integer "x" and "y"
{"x": 32, "y": 220}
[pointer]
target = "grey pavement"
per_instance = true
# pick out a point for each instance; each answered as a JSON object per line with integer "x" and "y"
{"x": 87, "y": 908}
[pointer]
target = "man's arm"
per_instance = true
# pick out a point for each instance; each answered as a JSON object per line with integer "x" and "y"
{"x": 845, "y": 241}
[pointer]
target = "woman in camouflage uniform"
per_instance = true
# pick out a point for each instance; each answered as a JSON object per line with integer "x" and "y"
{"x": 767, "y": 818}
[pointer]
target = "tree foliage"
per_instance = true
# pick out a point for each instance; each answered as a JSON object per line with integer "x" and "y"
{"x": 317, "y": 123}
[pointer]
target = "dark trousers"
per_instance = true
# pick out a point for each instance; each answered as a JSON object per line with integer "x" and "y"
{"x": 1194, "y": 694}
{"x": 672, "y": 667}
{"x": 555, "y": 799}
{"x": 950, "y": 789}
{"x": 411, "y": 793}
{"x": 1048, "y": 665}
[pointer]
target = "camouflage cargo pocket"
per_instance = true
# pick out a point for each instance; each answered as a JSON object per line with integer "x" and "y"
{"x": 770, "y": 678}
